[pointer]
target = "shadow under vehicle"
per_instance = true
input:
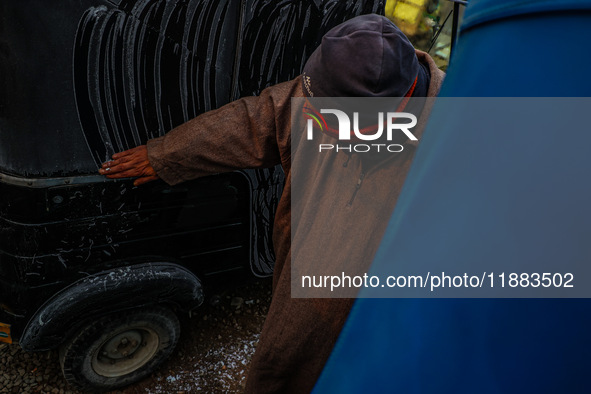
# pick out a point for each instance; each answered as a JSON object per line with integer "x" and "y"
{"x": 99, "y": 268}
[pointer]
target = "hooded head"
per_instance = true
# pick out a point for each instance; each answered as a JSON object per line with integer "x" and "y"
{"x": 367, "y": 56}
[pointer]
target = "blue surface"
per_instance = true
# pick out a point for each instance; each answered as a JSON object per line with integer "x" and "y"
{"x": 477, "y": 345}
{"x": 482, "y": 11}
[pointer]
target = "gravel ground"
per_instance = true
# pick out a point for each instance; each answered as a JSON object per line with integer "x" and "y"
{"x": 212, "y": 356}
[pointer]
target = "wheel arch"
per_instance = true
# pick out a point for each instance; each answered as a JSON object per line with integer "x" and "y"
{"x": 107, "y": 292}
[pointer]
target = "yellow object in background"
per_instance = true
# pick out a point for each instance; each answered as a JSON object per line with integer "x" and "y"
{"x": 406, "y": 14}
{"x": 389, "y": 8}
{"x": 419, "y": 3}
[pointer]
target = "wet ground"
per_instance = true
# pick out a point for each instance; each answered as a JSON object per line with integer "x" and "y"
{"x": 212, "y": 356}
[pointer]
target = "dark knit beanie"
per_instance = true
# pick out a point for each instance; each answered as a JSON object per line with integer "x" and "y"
{"x": 367, "y": 56}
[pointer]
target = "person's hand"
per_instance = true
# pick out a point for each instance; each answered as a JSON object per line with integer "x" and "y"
{"x": 130, "y": 164}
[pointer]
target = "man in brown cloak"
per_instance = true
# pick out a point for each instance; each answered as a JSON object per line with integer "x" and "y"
{"x": 365, "y": 56}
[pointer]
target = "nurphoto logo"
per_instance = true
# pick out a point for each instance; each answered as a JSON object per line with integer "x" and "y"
{"x": 386, "y": 128}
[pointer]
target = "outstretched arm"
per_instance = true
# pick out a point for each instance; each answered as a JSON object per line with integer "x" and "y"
{"x": 253, "y": 132}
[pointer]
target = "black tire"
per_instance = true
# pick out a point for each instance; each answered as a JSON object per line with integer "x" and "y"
{"x": 119, "y": 349}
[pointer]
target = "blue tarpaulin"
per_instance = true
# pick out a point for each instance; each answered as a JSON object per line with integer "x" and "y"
{"x": 506, "y": 48}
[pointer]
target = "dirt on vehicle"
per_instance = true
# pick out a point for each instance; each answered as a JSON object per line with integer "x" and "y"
{"x": 213, "y": 354}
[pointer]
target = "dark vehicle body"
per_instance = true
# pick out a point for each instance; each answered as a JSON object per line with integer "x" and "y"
{"x": 81, "y": 80}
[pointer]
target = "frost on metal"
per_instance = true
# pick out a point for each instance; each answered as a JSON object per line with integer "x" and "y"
{"x": 143, "y": 67}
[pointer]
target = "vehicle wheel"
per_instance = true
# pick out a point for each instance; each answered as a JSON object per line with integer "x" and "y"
{"x": 119, "y": 349}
